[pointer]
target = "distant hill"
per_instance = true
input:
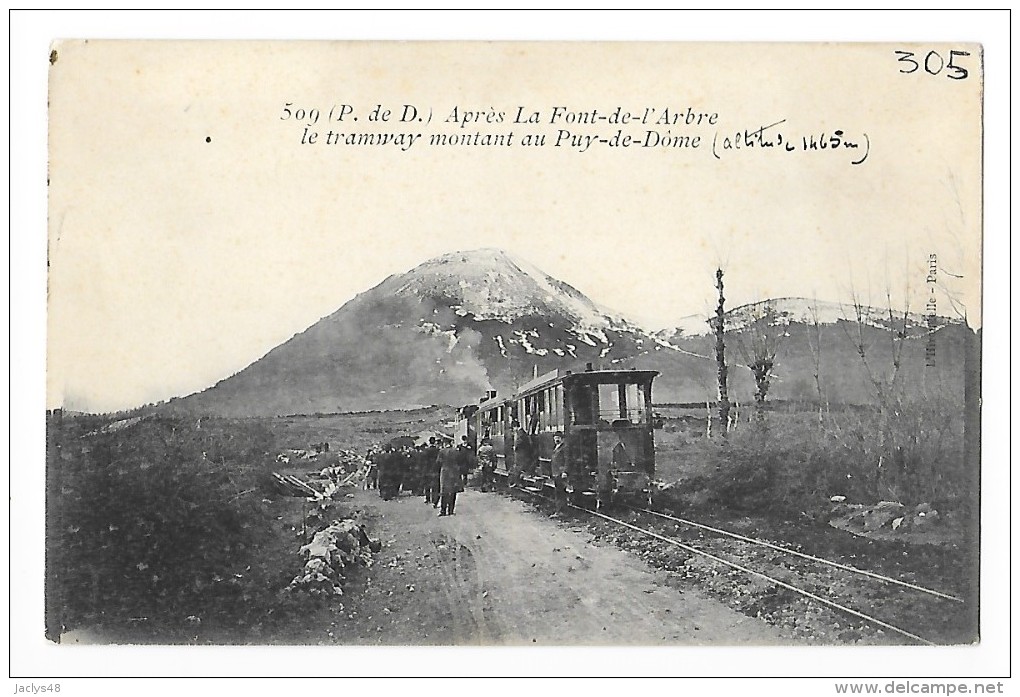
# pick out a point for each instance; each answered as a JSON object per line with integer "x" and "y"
{"x": 807, "y": 329}
{"x": 466, "y": 322}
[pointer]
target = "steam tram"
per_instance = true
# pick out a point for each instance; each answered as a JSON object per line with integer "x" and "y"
{"x": 606, "y": 420}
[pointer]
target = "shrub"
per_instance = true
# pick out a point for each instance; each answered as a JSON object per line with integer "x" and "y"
{"x": 160, "y": 520}
{"x": 798, "y": 461}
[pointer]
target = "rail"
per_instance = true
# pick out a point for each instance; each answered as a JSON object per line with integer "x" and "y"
{"x": 794, "y": 552}
{"x": 776, "y": 581}
{"x": 800, "y": 591}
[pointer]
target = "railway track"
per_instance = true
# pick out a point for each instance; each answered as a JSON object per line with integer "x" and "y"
{"x": 769, "y": 576}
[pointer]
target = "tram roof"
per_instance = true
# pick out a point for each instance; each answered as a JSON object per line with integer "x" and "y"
{"x": 561, "y": 375}
{"x": 586, "y": 376}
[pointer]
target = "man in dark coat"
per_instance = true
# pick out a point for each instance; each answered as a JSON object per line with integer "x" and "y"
{"x": 430, "y": 474}
{"x": 559, "y": 467}
{"x": 467, "y": 459}
{"x": 385, "y": 463}
{"x": 522, "y": 453}
{"x": 450, "y": 481}
{"x": 416, "y": 472}
{"x": 406, "y": 465}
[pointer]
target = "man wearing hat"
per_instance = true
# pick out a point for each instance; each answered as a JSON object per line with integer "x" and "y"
{"x": 450, "y": 481}
{"x": 559, "y": 472}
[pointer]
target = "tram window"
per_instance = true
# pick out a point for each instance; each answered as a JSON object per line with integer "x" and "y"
{"x": 581, "y": 406}
{"x": 561, "y": 407}
{"x": 609, "y": 403}
{"x": 635, "y": 404}
{"x": 557, "y": 407}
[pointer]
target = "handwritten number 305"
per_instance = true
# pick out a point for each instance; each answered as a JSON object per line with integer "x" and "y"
{"x": 933, "y": 63}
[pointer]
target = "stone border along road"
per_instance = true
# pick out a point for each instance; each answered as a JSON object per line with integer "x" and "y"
{"x": 499, "y": 573}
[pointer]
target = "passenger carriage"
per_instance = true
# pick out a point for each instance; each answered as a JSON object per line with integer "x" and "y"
{"x": 606, "y": 420}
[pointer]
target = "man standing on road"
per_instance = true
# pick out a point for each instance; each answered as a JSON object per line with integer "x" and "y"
{"x": 414, "y": 477}
{"x": 522, "y": 453}
{"x": 467, "y": 459}
{"x": 487, "y": 461}
{"x": 450, "y": 481}
{"x": 430, "y": 473}
{"x": 372, "y": 478}
{"x": 385, "y": 475}
{"x": 559, "y": 473}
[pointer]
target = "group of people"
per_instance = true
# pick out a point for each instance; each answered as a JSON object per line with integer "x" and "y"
{"x": 566, "y": 473}
{"x": 435, "y": 472}
{"x": 526, "y": 463}
{"x": 439, "y": 472}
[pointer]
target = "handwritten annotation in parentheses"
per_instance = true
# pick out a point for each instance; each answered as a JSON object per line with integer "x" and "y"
{"x": 772, "y": 139}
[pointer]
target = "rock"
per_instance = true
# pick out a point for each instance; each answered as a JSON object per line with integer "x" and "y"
{"x": 925, "y": 520}
{"x": 879, "y": 515}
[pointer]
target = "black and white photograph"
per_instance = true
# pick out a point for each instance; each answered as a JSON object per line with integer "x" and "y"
{"x": 598, "y": 355}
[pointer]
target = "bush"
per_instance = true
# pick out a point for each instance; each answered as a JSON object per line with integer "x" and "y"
{"x": 797, "y": 462}
{"x": 733, "y": 473}
{"x": 160, "y": 521}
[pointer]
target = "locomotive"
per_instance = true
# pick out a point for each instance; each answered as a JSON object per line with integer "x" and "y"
{"x": 606, "y": 420}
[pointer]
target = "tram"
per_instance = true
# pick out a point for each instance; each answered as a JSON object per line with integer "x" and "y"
{"x": 605, "y": 417}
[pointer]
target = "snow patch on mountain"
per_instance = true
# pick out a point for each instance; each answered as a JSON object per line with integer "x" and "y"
{"x": 785, "y": 311}
{"x": 524, "y": 340}
{"x": 490, "y": 284}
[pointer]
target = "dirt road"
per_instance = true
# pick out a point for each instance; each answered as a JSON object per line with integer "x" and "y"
{"x": 500, "y": 572}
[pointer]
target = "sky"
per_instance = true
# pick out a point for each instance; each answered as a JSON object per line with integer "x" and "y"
{"x": 191, "y": 231}
{"x": 173, "y": 273}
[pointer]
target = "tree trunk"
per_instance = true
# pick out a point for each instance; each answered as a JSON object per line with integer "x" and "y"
{"x": 720, "y": 355}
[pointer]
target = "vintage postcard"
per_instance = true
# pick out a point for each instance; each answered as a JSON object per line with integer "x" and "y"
{"x": 516, "y": 344}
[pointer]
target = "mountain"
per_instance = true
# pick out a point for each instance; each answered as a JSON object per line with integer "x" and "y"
{"x": 925, "y": 353}
{"x": 466, "y": 322}
{"x": 442, "y": 333}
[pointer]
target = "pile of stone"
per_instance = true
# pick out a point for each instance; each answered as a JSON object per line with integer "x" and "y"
{"x": 332, "y": 552}
{"x": 884, "y": 517}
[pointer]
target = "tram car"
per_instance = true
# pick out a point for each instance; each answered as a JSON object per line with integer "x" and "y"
{"x": 605, "y": 417}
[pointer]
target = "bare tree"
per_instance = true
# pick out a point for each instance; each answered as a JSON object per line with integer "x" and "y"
{"x": 758, "y": 347}
{"x": 720, "y": 354}
{"x": 897, "y": 453}
{"x": 884, "y": 382}
{"x": 815, "y": 344}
